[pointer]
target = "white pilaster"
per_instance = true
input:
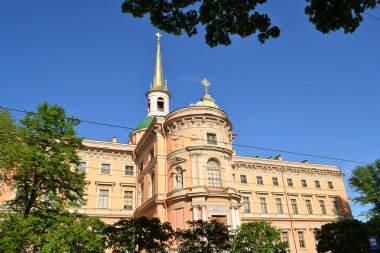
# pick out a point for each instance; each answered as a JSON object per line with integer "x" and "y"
{"x": 233, "y": 215}
{"x": 237, "y": 217}
{"x": 195, "y": 213}
{"x": 203, "y": 213}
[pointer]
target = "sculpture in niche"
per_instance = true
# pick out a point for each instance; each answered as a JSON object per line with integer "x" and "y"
{"x": 178, "y": 178}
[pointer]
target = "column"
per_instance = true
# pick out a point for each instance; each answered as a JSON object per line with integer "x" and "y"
{"x": 237, "y": 217}
{"x": 233, "y": 218}
{"x": 195, "y": 213}
{"x": 203, "y": 213}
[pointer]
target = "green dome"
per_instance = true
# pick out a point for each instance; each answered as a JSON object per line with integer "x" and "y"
{"x": 145, "y": 123}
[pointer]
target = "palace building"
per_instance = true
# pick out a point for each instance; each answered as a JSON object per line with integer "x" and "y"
{"x": 180, "y": 165}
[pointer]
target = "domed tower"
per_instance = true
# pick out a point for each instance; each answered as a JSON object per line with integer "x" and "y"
{"x": 199, "y": 153}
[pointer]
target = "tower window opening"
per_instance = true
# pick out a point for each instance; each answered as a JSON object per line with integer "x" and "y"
{"x": 160, "y": 104}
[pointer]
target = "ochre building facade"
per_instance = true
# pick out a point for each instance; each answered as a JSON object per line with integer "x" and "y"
{"x": 181, "y": 166}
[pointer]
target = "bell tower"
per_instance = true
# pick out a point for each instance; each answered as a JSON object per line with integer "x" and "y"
{"x": 158, "y": 94}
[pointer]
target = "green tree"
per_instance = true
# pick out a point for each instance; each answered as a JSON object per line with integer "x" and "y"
{"x": 223, "y": 19}
{"x": 51, "y": 233}
{"x": 346, "y": 236}
{"x": 259, "y": 237}
{"x": 39, "y": 163}
{"x": 365, "y": 180}
{"x": 141, "y": 234}
{"x": 203, "y": 237}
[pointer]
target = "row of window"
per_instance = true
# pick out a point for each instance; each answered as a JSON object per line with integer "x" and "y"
{"x": 301, "y": 238}
{"x": 105, "y": 168}
{"x": 104, "y": 199}
{"x": 275, "y": 182}
{"x": 280, "y": 209}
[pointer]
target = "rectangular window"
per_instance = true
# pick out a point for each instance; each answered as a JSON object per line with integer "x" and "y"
{"x": 280, "y": 209}
{"x": 304, "y": 183}
{"x": 103, "y": 200}
{"x": 315, "y": 237}
{"x": 81, "y": 167}
{"x": 128, "y": 200}
{"x": 275, "y": 181}
{"x": 128, "y": 170}
{"x": 290, "y": 181}
{"x": 211, "y": 139}
{"x": 309, "y": 206}
{"x": 285, "y": 237}
{"x": 214, "y": 177}
{"x": 301, "y": 239}
{"x": 330, "y": 184}
{"x": 294, "y": 206}
{"x": 323, "y": 206}
{"x": 247, "y": 205}
{"x": 263, "y": 205}
{"x": 105, "y": 168}
{"x": 317, "y": 184}
{"x": 243, "y": 179}
{"x": 336, "y": 206}
{"x": 141, "y": 193}
{"x": 151, "y": 154}
{"x": 141, "y": 167}
{"x": 259, "y": 180}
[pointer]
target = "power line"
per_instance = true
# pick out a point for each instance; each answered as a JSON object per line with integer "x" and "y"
{"x": 234, "y": 144}
{"x": 373, "y": 16}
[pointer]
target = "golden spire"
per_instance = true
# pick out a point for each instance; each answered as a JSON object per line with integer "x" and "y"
{"x": 158, "y": 80}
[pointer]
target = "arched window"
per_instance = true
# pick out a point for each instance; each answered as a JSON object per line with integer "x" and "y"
{"x": 178, "y": 178}
{"x": 213, "y": 173}
{"x": 160, "y": 104}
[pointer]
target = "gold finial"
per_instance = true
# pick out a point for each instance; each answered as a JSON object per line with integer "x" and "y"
{"x": 158, "y": 37}
{"x": 206, "y": 84}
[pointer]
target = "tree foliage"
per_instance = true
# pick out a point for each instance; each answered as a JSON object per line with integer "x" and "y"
{"x": 258, "y": 237}
{"x": 223, "y": 19}
{"x": 38, "y": 164}
{"x": 365, "y": 180}
{"x": 137, "y": 235}
{"x": 51, "y": 233}
{"x": 203, "y": 237}
{"x": 346, "y": 236}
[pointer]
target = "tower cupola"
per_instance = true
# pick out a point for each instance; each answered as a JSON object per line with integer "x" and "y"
{"x": 158, "y": 94}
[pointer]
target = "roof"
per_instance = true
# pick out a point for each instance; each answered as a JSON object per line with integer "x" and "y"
{"x": 145, "y": 123}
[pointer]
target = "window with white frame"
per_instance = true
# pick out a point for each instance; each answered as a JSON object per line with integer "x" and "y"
{"x": 213, "y": 173}
{"x": 103, "y": 199}
{"x": 263, "y": 205}
{"x": 279, "y": 206}
{"x": 285, "y": 237}
{"x": 301, "y": 239}
{"x": 294, "y": 206}
{"x": 304, "y": 183}
{"x": 275, "y": 181}
{"x": 259, "y": 180}
{"x": 336, "y": 206}
{"x": 243, "y": 179}
{"x": 128, "y": 200}
{"x": 290, "y": 181}
{"x": 211, "y": 139}
{"x": 128, "y": 170}
{"x": 81, "y": 167}
{"x": 309, "y": 206}
{"x": 105, "y": 168}
{"x": 246, "y": 205}
{"x": 322, "y": 206}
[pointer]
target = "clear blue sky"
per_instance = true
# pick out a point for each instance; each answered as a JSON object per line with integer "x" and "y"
{"x": 304, "y": 92}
